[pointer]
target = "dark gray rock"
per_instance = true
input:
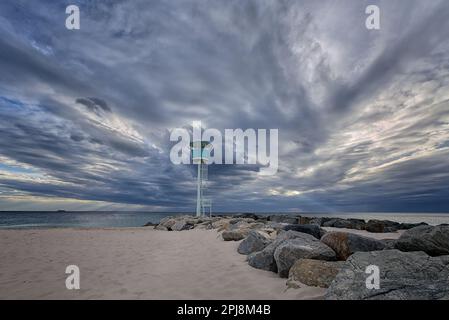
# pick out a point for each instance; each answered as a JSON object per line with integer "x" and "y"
{"x": 237, "y": 221}
{"x": 249, "y": 215}
{"x": 331, "y": 222}
{"x": 304, "y": 246}
{"x": 342, "y": 223}
{"x": 182, "y": 225}
{"x": 403, "y": 276}
{"x": 311, "y": 229}
{"x": 166, "y": 224}
{"x": 380, "y": 226}
{"x": 254, "y": 242}
{"x": 406, "y": 226}
{"x": 344, "y": 244}
{"x": 358, "y": 224}
{"x": 283, "y": 218}
{"x": 150, "y": 224}
{"x": 389, "y": 243}
{"x": 264, "y": 259}
{"x": 317, "y": 221}
{"x": 432, "y": 240}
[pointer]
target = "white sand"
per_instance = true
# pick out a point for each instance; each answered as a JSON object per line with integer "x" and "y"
{"x": 134, "y": 263}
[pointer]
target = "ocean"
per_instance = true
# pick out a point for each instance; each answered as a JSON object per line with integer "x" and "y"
{"x": 121, "y": 219}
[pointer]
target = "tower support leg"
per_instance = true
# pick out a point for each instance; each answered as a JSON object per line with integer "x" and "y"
{"x": 198, "y": 192}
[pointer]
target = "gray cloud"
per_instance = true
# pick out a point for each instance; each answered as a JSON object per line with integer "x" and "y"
{"x": 362, "y": 115}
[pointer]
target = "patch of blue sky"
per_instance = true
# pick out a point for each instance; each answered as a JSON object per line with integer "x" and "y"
{"x": 16, "y": 169}
{"x": 6, "y": 102}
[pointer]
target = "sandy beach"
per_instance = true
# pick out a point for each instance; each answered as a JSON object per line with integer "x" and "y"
{"x": 134, "y": 263}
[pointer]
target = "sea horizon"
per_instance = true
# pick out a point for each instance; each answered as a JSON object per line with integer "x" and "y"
{"x": 130, "y": 219}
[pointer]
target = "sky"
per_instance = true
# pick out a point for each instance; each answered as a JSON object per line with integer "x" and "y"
{"x": 363, "y": 115}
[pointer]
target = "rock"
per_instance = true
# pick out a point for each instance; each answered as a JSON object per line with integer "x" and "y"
{"x": 206, "y": 225}
{"x": 257, "y": 225}
{"x": 304, "y": 220}
{"x": 167, "y": 223}
{"x": 304, "y": 246}
{"x": 314, "y": 273}
{"x": 234, "y": 235}
{"x": 221, "y": 224}
{"x": 403, "y": 276}
{"x": 276, "y": 225}
{"x": 389, "y": 243}
{"x": 332, "y": 221}
{"x": 358, "y": 224}
{"x": 342, "y": 223}
{"x": 255, "y": 241}
{"x": 406, "y": 226}
{"x": 271, "y": 233}
{"x": 317, "y": 221}
{"x": 264, "y": 259}
{"x": 311, "y": 229}
{"x": 240, "y": 220}
{"x": 248, "y": 215}
{"x": 150, "y": 224}
{"x": 344, "y": 244}
{"x": 432, "y": 240}
{"x": 182, "y": 225}
{"x": 161, "y": 228}
{"x": 238, "y": 225}
{"x": 283, "y": 219}
{"x": 381, "y": 226}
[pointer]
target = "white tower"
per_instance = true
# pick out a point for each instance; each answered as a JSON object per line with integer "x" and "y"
{"x": 200, "y": 156}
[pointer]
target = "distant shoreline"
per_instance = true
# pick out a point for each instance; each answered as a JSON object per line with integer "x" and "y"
{"x": 130, "y": 219}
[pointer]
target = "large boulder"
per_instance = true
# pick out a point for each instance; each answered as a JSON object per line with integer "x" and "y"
{"x": 344, "y": 244}
{"x": 432, "y": 240}
{"x": 264, "y": 259}
{"x": 311, "y": 229}
{"x": 221, "y": 224}
{"x": 403, "y": 276}
{"x": 161, "y": 228}
{"x": 330, "y": 222}
{"x": 389, "y": 243}
{"x": 206, "y": 225}
{"x": 278, "y": 226}
{"x": 248, "y": 215}
{"x": 342, "y": 223}
{"x": 303, "y": 246}
{"x": 234, "y": 235}
{"x": 406, "y": 226}
{"x": 255, "y": 241}
{"x": 166, "y": 223}
{"x": 236, "y": 221}
{"x": 318, "y": 221}
{"x": 181, "y": 225}
{"x": 358, "y": 224}
{"x": 381, "y": 226}
{"x": 314, "y": 273}
{"x": 282, "y": 218}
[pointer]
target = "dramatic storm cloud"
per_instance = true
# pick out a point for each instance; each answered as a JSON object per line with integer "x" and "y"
{"x": 363, "y": 115}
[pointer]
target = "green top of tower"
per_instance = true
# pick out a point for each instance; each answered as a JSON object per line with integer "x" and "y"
{"x": 196, "y": 144}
